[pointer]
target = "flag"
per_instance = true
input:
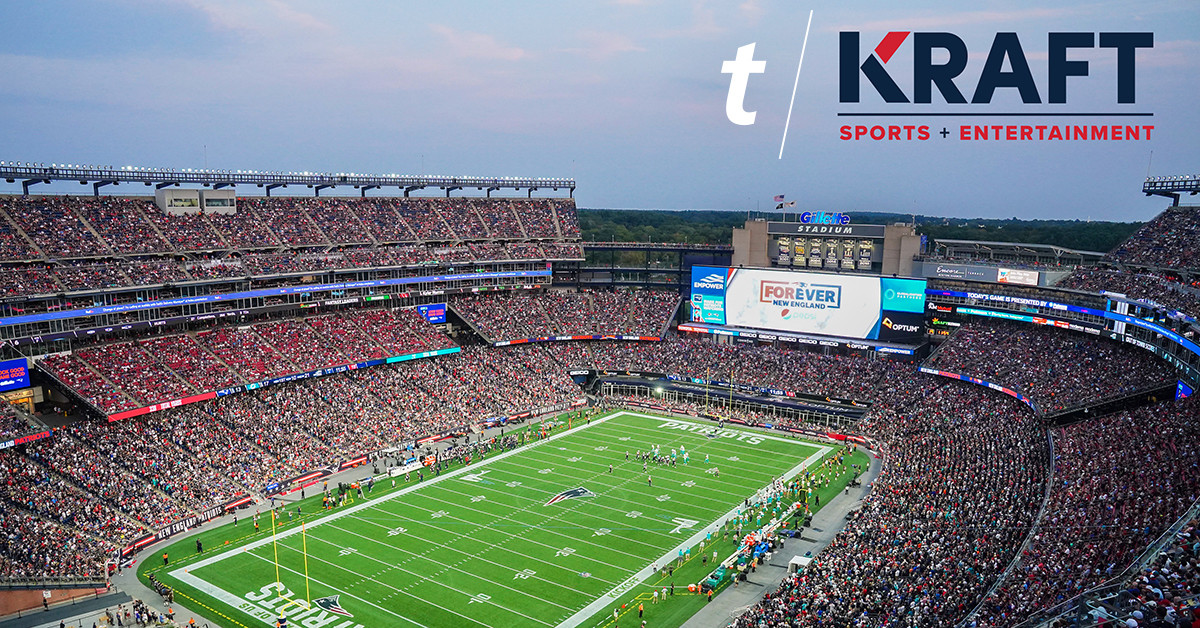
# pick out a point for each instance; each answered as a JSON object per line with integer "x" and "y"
{"x": 779, "y": 206}
{"x": 790, "y": 204}
{"x": 779, "y": 199}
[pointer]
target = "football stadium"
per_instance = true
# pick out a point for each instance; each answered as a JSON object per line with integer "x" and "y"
{"x": 918, "y": 350}
{"x": 437, "y": 412}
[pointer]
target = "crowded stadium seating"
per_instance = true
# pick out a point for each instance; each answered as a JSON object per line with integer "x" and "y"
{"x": 118, "y": 234}
{"x": 123, "y": 376}
{"x": 1119, "y": 482}
{"x": 561, "y": 313}
{"x": 1154, "y": 289}
{"x": 1056, "y": 368}
{"x": 962, "y": 483}
{"x": 1171, "y": 240}
{"x": 797, "y": 371}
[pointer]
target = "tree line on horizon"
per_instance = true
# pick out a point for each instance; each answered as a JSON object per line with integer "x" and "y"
{"x": 716, "y": 227}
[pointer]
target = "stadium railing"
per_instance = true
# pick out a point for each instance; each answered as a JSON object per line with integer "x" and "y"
{"x": 1114, "y": 590}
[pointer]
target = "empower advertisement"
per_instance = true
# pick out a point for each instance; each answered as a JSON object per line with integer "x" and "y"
{"x": 849, "y": 306}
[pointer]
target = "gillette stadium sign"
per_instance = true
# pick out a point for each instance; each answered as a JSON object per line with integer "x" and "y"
{"x": 822, "y": 218}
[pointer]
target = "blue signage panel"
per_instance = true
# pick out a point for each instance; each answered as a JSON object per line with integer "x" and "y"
{"x": 14, "y": 374}
{"x": 708, "y": 294}
{"x": 435, "y": 313}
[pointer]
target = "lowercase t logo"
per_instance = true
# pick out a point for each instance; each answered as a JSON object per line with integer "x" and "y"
{"x": 741, "y": 68}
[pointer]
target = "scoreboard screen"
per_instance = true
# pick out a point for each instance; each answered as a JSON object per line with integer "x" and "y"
{"x": 849, "y": 306}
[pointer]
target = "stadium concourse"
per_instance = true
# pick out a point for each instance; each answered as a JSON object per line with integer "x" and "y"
{"x": 981, "y": 512}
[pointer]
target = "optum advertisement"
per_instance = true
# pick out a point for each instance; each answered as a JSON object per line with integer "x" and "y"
{"x": 848, "y": 306}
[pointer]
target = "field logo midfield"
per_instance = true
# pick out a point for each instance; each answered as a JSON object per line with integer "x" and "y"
{"x": 570, "y": 494}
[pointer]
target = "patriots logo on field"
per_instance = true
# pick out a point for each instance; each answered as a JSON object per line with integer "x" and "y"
{"x": 331, "y": 604}
{"x": 575, "y": 492}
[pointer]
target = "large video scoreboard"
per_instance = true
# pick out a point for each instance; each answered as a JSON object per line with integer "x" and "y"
{"x": 848, "y": 306}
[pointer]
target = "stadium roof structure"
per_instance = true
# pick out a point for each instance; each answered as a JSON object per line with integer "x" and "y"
{"x": 1171, "y": 187}
{"x": 99, "y": 176}
{"x": 985, "y": 249}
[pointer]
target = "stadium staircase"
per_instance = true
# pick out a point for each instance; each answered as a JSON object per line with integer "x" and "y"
{"x": 546, "y": 317}
{"x": 116, "y": 507}
{"x": 469, "y": 323}
{"x": 517, "y": 218}
{"x": 400, "y": 219}
{"x": 28, "y": 240}
{"x": 558, "y": 233}
{"x": 104, "y": 378}
{"x": 138, "y": 210}
{"x": 370, "y": 239}
{"x": 271, "y": 347}
{"x": 453, "y": 235}
{"x": 300, "y": 209}
{"x": 478, "y": 216}
{"x": 211, "y": 227}
{"x": 170, "y": 370}
{"x": 99, "y": 238}
{"x": 219, "y": 359}
{"x": 266, "y": 226}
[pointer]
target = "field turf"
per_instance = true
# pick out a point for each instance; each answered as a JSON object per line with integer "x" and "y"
{"x": 481, "y": 546}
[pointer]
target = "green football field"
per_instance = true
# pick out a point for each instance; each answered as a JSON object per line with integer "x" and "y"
{"x": 482, "y": 546}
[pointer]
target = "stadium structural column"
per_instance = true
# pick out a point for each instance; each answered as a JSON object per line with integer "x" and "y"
{"x": 28, "y": 182}
{"x": 490, "y": 190}
{"x": 166, "y": 184}
{"x": 272, "y": 186}
{"x": 317, "y": 189}
{"x": 411, "y": 188}
{"x": 451, "y": 189}
{"x": 531, "y": 191}
{"x": 99, "y": 184}
{"x": 363, "y": 189}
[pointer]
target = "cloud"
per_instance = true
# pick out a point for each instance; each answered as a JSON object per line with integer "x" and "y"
{"x": 285, "y": 12}
{"x": 261, "y": 17}
{"x": 601, "y": 45}
{"x": 1170, "y": 54}
{"x": 477, "y": 45}
{"x": 954, "y": 19}
{"x": 704, "y": 23}
{"x": 751, "y": 10}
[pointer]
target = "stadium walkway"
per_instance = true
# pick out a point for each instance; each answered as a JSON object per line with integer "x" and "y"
{"x": 77, "y": 615}
{"x": 825, "y": 525}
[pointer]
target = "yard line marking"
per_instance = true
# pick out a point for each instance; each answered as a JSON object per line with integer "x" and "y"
{"x": 651, "y": 473}
{"x": 368, "y": 557}
{"x": 481, "y": 558}
{"x": 234, "y": 601}
{"x": 621, "y": 525}
{"x": 681, "y": 469}
{"x": 638, "y": 578}
{"x": 379, "y": 501}
{"x": 384, "y": 584}
{"x": 743, "y": 449}
{"x": 578, "y": 512}
{"x": 544, "y": 530}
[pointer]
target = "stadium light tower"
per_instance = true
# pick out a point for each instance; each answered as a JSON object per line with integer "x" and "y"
{"x": 1172, "y": 187}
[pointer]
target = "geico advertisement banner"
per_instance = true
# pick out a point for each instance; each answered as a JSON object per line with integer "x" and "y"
{"x": 803, "y": 302}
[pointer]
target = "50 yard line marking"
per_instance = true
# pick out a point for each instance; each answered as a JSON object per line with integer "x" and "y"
{"x": 794, "y": 85}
